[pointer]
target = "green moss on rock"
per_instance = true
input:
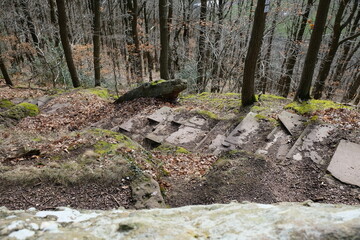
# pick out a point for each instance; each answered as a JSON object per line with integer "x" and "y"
{"x": 21, "y": 111}
{"x": 4, "y": 103}
{"x": 153, "y": 83}
{"x": 314, "y": 105}
{"x": 101, "y": 92}
{"x": 207, "y": 114}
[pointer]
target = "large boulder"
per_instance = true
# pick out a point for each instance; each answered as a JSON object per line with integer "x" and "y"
{"x": 167, "y": 90}
{"x": 232, "y": 221}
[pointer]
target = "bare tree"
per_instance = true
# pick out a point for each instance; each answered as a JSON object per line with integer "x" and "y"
{"x": 5, "y": 73}
{"x": 248, "y": 88}
{"x": 201, "y": 59}
{"x": 164, "y": 40}
{"x": 65, "y": 42}
{"x": 303, "y": 92}
{"x": 96, "y": 42}
{"x": 333, "y": 47}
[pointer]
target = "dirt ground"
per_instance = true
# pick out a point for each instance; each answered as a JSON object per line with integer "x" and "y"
{"x": 189, "y": 178}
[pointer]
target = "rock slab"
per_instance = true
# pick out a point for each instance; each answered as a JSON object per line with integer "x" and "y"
{"x": 220, "y": 221}
{"x": 345, "y": 164}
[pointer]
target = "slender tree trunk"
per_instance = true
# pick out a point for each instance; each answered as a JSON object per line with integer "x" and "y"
{"x": 96, "y": 42}
{"x": 215, "y": 84}
{"x": 170, "y": 55}
{"x": 263, "y": 80}
{"x": 350, "y": 48}
{"x": 201, "y": 59}
{"x": 352, "y": 90}
{"x": 333, "y": 47}
{"x": 164, "y": 40}
{"x": 5, "y": 73}
{"x": 303, "y": 92}
{"x": 285, "y": 80}
{"x": 248, "y": 88}
{"x": 148, "y": 52}
{"x": 53, "y": 21}
{"x": 65, "y": 42}
{"x": 29, "y": 22}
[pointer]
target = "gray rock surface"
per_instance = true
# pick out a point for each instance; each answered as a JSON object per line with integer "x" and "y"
{"x": 231, "y": 221}
{"x": 291, "y": 121}
{"x": 247, "y": 126}
{"x": 345, "y": 164}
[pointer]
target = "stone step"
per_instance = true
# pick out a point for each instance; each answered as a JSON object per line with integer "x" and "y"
{"x": 161, "y": 115}
{"x": 345, "y": 164}
{"x": 308, "y": 144}
{"x": 278, "y": 144}
{"x": 243, "y": 131}
{"x": 292, "y": 122}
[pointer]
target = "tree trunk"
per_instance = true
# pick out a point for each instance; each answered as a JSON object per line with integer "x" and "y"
{"x": 333, "y": 47}
{"x": 96, "y": 42}
{"x": 164, "y": 40}
{"x": 201, "y": 59}
{"x": 53, "y": 21}
{"x": 352, "y": 90}
{"x": 29, "y": 22}
{"x": 303, "y": 92}
{"x": 248, "y": 88}
{"x": 267, "y": 58}
{"x": 347, "y": 54}
{"x": 148, "y": 52}
{"x": 5, "y": 73}
{"x": 215, "y": 84}
{"x": 65, "y": 42}
{"x": 285, "y": 80}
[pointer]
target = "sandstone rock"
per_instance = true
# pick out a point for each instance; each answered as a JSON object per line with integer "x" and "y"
{"x": 231, "y": 221}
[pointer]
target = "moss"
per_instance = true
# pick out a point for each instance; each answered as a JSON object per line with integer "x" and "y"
{"x": 232, "y": 94}
{"x": 271, "y": 97}
{"x": 314, "y": 118}
{"x": 314, "y": 105}
{"x": 181, "y": 150}
{"x": 37, "y": 139}
{"x": 260, "y": 117}
{"x": 258, "y": 109}
{"x": 207, "y": 114}
{"x": 4, "y": 103}
{"x": 153, "y": 83}
{"x": 101, "y": 92}
{"x": 102, "y": 147}
{"x": 21, "y": 111}
{"x": 120, "y": 139}
{"x": 171, "y": 149}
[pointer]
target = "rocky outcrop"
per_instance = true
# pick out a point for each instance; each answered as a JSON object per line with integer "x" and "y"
{"x": 232, "y": 221}
{"x": 167, "y": 90}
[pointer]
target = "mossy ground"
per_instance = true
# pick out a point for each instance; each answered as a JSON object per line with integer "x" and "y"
{"x": 170, "y": 149}
{"x": 90, "y": 155}
{"x": 313, "y": 105}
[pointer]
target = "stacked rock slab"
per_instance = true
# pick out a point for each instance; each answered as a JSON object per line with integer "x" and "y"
{"x": 345, "y": 164}
{"x": 167, "y": 126}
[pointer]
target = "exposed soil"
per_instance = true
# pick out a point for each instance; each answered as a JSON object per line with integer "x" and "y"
{"x": 48, "y": 196}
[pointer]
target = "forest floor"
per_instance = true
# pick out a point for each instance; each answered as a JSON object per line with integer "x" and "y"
{"x": 71, "y": 155}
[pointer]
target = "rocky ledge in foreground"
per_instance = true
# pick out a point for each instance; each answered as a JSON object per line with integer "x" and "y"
{"x": 232, "y": 221}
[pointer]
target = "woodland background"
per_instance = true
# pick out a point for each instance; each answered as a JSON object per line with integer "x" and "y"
{"x": 120, "y": 44}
